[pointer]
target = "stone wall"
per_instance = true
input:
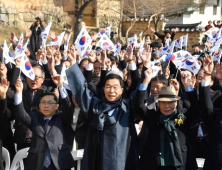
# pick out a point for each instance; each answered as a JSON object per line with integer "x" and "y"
{"x": 21, "y": 13}
{"x": 193, "y": 37}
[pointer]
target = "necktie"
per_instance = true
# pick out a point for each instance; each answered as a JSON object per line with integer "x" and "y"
{"x": 32, "y": 95}
{"x": 47, "y": 160}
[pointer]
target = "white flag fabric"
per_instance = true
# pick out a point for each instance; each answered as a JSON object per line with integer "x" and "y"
{"x": 22, "y": 51}
{"x": 185, "y": 39}
{"x": 216, "y": 45}
{"x": 118, "y": 48}
{"x": 212, "y": 32}
{"x": 179, "y": 43}
{"x": 64, "y": 77}
{"x": 106, "y": 31}
{"x": 57, "y": 41}
{"x": 142, "y": 45}
{"x": 179, "y": 55}
{"x": 217, "y": 55}
{"x": 106, "y": 43}
{"x": 167, "y": 49}
{"x": 88, "y": 50}
{"x": 132, "y": 41}
{"x": 141, "y": 34}
{"x": 167, "y": 42}
{"x": 83, "y": 41}
{"x": 66, "y": 45}
{"x": 6, "y": 53}
{"x": 192, "y": 66}
{"x": 155, "y": 70}
{"x": 18, "y": 49}
{"x": 26, "y": 67}
{"x": 45, "y": 33}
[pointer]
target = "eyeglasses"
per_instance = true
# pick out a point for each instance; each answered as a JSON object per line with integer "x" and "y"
{"x": 37, "y": 77}
{"x": 110, "y": 88}
{"x": 48, "y": 103}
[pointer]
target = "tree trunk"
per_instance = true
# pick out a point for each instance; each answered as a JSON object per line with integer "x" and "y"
{"x": 148, "y": 25}
{"x": 121, "y": 22}
{"x": 79, "y": 19}
{"x": 132, "y": 23}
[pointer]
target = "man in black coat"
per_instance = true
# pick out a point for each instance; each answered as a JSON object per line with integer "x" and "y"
{"x": 167, "y": 146}
{"x": 48, "y": 150}
{"x": 32, "y": 92}
{"x": 198, "y": 128}
{"x": 5, "y": 116}
{"x": 213, "y": 118}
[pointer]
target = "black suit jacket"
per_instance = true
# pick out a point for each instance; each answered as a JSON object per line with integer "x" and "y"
{"x": 80, "y": 132}
{"x": 213, "y": 118}
{"x": 199, "y": 119}
{"x": 21, "y": 129}
{"x": 53, "y": 136}
{"x": 150, "y": 158}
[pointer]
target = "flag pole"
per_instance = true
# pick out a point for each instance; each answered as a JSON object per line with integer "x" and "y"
{"x": 176, "y": 73}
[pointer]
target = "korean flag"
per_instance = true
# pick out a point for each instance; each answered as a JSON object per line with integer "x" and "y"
{"x": 83, "y": 41}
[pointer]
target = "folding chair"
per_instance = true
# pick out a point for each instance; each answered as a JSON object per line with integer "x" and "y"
{"x": 200, "y": 163}
{"x": 77, "y": 157}
{"x": 6, "y": 158}
{"x": 19, "y": 156}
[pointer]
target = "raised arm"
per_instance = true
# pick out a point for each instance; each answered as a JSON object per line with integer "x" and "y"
{"x": 78, "y": 85}
{"x": 205, "y": 100}
{"x": 20, "y": 112}
{"x": 3, "y": 90}
{"x": 139, "y": 105}
{"x": 67, "y": 115}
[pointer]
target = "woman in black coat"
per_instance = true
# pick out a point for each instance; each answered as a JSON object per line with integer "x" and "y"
{"x": 36, "y": 39}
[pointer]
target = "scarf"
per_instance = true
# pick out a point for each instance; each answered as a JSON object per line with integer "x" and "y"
{"x": 169, "y": 143}
{"x": 97, "y": 123}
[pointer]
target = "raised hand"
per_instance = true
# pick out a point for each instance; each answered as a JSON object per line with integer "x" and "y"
{"x": 146, "y": 56}
{"x": 52, "y": 35}
{"x": 28, "y": 34}
{"x": 56, "y": 92}
{"x": 3, "y": 70}
{"x": 57, "y": 79}
{"x": 51, "y": 63}
{"x": 152, "y": 29}
{"x": 208, "y": 65}
{"x": 72, "y": 55}
{"x": 4, "y": 88}
{"x": 121, "y": 55}
{"x": 185, "y": 79}
{"x": 129, "y": 54}
{"x": 92, "y": 56}
{"x": 19, "y": 86}
{"x": 167, "y": 72}
{"x": 148, "y": 76}
{"x": 18, "y": 62}
{"x": 103, "y": 58}
{"x": 12, "y": 38}
{"x": 175, "y": 30}
{"x": 44, "y": 53}
{"x": 175, "y": 84}
{"x": 218, "y": 72}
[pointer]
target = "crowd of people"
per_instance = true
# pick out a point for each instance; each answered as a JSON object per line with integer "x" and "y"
{"x": 115, "y": 108}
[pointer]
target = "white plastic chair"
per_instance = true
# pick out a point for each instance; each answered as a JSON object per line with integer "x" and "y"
{"x": 200, "y": 162}
{"x": 19, "y": 156}
{"x": 77, "y": 156}
{"x": 6, "y": 157}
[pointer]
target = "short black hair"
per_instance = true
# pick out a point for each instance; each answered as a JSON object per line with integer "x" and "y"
{"x": 195, "y": 45}
{"x": 124, "y": 47}
{"x": 167, "y": 31}
{"x": 160, "y": 79}
{"x": 39, "y": 66}
{"x": 50, "y": 94}
{"x": 114, "y": 59}
{"x": 155, "y": 44}
{"x": 148, "y": 35}
{"x": 84, "y": 59}
{"x": 113, "y": 76}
